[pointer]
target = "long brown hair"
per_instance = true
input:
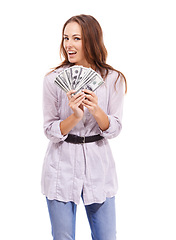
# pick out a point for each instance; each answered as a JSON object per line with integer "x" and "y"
{"x": 94, "y": 49}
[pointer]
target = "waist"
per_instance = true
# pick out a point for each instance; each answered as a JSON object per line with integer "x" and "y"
{"x": 78, "y": 140}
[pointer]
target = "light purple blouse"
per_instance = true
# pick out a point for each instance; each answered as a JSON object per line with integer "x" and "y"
{"x": 70, "y": 169}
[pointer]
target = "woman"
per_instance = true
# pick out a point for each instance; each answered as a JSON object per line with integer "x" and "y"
{"x": 72, "y": 170}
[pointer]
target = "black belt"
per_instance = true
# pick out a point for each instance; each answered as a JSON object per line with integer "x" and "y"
{"x": 77, "y": 139}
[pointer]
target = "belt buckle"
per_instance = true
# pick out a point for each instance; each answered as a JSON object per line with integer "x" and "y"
{"x": 83, "y": 140}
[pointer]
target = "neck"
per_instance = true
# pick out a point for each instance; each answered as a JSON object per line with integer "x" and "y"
{"x": 84, "y": 64}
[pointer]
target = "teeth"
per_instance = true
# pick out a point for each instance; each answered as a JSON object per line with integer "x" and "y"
{"x": 71, "y": 52}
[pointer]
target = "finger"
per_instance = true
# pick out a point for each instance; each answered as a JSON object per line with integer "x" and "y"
{"x": 89, "y": 97}
{"x": 92, "y": 99}
{"x": 79, "y": 94}
{"x": 74, "y": 97}
{"x": 88, "y": 103}
{"x": 89, "y": 92}
{"x": 69, "y": 94}
{"x": 89, "y": 107}
{"x": 80, "y": 98}
{"x": 79, "y": 102}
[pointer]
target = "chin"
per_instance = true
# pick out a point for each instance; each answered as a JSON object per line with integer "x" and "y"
{"x": 72, "y": 61}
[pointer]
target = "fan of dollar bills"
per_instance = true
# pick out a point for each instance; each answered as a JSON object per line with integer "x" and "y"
{"x": 78, "y": 78}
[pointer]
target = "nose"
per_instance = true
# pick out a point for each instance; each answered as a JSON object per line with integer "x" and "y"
{"x": 68, "y": 44}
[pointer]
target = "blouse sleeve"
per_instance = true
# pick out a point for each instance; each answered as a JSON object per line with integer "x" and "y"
{"x": 115, "y": 109}
{"x": 50, "y": 112}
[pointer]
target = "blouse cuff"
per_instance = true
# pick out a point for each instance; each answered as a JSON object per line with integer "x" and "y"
{"x": 114, "y": 128}
{"x": 55, "y": 134}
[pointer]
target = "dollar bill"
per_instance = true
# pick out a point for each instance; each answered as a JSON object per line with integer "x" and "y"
{"x": 95, "y": 82}
{"x": 86, "y": 78}
{"x": 61, "y": 84}
{"x": 75, "y": 72}
{"x": 78, "y": 78}
{"x": 65, "y": 80}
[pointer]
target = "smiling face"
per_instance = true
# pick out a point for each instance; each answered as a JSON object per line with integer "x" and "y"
{"x": 73, "y": 44}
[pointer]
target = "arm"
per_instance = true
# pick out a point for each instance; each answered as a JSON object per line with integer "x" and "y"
{"x": 56, "y": 129}
{"x": 110, "y": 123}
{"x": 115, "y": 109}
{"x": 78, "y": 112}
{"x": 92, "y": 104}
{"x": 50, "y": 111}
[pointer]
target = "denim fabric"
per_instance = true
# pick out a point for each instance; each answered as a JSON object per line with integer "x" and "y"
{"x": 101, "y": 217}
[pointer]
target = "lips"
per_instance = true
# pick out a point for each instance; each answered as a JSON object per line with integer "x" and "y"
{"x": 71, "y": 53}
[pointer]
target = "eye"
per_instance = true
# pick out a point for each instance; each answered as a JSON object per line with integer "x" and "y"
{"x": 77, "y": 38}
{"x": 66, "y": 38}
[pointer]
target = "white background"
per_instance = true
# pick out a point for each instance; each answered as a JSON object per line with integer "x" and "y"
{"x": 140, "y": 38}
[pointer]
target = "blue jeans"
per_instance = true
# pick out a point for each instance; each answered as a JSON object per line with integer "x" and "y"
{"x": 102, "y": 219}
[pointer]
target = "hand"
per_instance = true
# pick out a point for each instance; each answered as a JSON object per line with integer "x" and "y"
{"x": 75, "y": 103}
{"x": 91, "y": 101}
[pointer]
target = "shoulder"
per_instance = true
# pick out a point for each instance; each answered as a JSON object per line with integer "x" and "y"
{"x": 49, "y": 86}
{"x": 112, "y": 74}
{"x": 114, "y": 77}
{"x": 115, "y": 81}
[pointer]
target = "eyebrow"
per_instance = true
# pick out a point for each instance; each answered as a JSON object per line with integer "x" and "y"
{"x": 76, "y": 34}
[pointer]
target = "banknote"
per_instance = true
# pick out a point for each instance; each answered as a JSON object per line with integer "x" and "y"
{"x": 78, "y": 78}
{"x": 65, "y": 79}
{"x": 86, "y": 80}
{"x": 60, "y": 84}
{"x": 92, "y": 85}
